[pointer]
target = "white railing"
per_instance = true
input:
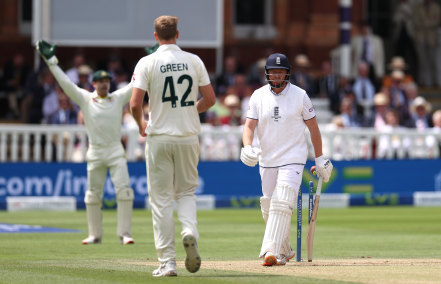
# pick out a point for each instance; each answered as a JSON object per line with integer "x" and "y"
{"x": 37, "y": 143}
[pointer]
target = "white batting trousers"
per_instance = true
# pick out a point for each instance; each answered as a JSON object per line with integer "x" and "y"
{"x": 172, "y": 176}
{"x": 290, "y": 175}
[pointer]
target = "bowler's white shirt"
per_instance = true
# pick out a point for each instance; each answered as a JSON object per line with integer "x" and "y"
{"x": 281, "y": 124}
{"x": 166, "y": 70}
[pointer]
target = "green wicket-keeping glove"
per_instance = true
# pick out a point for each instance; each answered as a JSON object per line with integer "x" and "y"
{"x": 151, "y": 49}
{"x": 47, "y": 51}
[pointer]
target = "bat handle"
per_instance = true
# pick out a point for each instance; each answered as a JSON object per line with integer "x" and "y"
{"x": 319, "y": 186}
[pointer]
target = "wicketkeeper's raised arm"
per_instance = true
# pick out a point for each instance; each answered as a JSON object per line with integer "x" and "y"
{"x": 323, "y": 165}
{"x": 47, "y": 52}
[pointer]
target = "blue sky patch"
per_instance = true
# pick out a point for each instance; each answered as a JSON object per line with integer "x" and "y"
{"x": 19, "y": 228}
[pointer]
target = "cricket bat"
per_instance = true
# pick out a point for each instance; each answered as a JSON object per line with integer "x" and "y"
{"x": 312, "y": 223}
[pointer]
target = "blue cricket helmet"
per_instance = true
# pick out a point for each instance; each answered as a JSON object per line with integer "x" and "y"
{"x": 277, "y": 61}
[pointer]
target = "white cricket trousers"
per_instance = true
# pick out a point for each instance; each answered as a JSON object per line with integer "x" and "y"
{"x": 289, "y": 174}
{"x": 102, "y": 159}
{"x": 172, "y": 175}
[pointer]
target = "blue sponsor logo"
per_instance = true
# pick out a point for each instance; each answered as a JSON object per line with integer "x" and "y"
{"x": 19, "y": 228}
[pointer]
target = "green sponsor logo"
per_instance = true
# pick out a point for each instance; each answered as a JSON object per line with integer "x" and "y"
{"x": 109, "y": 203}
{"x": 357, "y": 173}
{"x": 358, "y": 188}
{"x": 382, "y": 199}
{"x": 245, "y": 202}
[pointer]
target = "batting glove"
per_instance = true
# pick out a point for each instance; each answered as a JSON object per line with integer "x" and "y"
{"x": 47, "y": 51}
{"x": 323, "y": 167}
{"x": 249, "y": 155}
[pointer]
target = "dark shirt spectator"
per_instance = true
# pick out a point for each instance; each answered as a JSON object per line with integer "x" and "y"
{"x": 37, "y": 88}
{"x": 329, "y": 86}
{"x": 226, "y": 78}
{"x": 66, "y": 113}
{"x": 301, "y": 77}
{"x": 13, "y": 83}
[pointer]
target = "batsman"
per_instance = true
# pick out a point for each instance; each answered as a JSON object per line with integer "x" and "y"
{"x": 102, "y": 113}
{"x": 279, "y": 112}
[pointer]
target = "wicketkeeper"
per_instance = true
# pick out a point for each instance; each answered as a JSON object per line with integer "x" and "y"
{"x": 102, "y": 113}
{"x": 280, "y": 111}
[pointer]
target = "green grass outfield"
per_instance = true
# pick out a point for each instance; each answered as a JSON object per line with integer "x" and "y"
{"x": 355, "y": 245}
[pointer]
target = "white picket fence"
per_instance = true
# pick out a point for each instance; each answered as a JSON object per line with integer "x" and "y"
{"x": 37, "y": 143}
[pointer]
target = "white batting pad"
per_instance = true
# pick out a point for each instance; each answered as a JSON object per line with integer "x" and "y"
{"x": 124, "y": 200}
{"x": 94, "y": 214}
{"x": 279, "y": 220}
{"x": 265, "y": 203}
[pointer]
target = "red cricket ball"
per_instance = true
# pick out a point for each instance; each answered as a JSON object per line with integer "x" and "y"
{"x": 312, "y": 170}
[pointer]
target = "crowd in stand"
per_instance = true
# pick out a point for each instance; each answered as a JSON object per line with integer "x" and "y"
{"x": 375, "y": 94}
{"x": 34, "y": 97}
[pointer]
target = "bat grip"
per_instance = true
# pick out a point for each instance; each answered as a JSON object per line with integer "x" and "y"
{"x": 319, "y": 186}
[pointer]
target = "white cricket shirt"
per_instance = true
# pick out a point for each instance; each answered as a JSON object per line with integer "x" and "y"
{"x": 281, "y": 124}
{"x": 171, "y": 78}
{"x": 102, "y": 117}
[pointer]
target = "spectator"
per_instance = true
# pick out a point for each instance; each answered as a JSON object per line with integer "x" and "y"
{"x": 381, "y": 102}
{"x": 301, "y": 77}
{"x": 396, "y": 63}
{"x": 72, "y": 72}
{"x": 66, "y": 113}
{"x": 120, "y": 78}
{"x": 427, "y": 19}
{"x": 342, "y": 147}
{"x": 397, "y": 96}
{"x": 50, "y": 104}
{"x": 433, "y": 142}
{"x": 234, "y": 118}
{"x": 348, "y": 116}
{"x": 226, "y": 78}
{"x": 329, "y": 86}
{"x": 257, "y": 74}
{"x": 420, "y": 114}
{"x": 84, "y": 82}
{"x": 345, "y": 88}
{"x": 13, "y": 82}
{"x": 218, "y": 112}
{"x": 369, "y": 48}
{"x": 392, "y": 145}
{"x": 436, "y": 117}
{"x": 411, "y": 92}
{"x": 364, "y": 91}
{"x": 113, "y": 65}
{"x": 240, "y": 87}
{"x": 37, "y": 90}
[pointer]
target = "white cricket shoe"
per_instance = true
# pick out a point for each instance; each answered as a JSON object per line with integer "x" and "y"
{"x": 193, "y": 259}
{"x": 289, "y": 255}
{"x": 126, "y": 240}
{"x": 270, "y": 259}
{"x": 166, "y": 269}
{"x": 91, "y": 240}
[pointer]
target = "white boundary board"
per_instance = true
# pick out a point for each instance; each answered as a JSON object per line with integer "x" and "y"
{"x": 126, "y": 23}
